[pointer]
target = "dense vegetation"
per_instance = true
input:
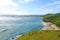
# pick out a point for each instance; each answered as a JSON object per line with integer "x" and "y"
{"x": 54, "y": 18}
{"x": 41, "y": 35}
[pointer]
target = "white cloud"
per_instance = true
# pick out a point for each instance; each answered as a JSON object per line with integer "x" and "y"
{"x": 42, "y": 7}
{"x": 51, "y": 10}
{"x": 46, "y": 11}
{"x": 12, "y": 12}
{"x": 8, "y": 7}
{"x": 7, "y": 2}
{"x": 26, "y": 1}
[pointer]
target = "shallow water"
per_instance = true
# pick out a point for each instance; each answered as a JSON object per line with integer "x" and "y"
{"x": 10, "y": 27}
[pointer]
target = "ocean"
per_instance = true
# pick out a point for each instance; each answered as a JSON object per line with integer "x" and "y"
{"x": 10, "y": 27}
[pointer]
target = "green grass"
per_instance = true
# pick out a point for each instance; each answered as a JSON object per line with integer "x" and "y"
{"x": 54, "y": 18}
{"x": 41, "y": 35}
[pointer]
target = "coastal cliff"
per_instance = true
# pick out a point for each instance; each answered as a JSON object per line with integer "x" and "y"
{"x": 52, "y": 20}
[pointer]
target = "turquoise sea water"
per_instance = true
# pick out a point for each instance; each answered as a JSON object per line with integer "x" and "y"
{"x": 10, "y": 27}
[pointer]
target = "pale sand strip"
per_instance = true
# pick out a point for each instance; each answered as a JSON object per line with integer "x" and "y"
{"x": 47, "y": 26}
{"x": 50, "y": 26}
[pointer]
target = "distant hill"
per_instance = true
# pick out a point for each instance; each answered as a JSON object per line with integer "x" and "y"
{"x": 54, "y": 18}
{"x": 21, "y": 15}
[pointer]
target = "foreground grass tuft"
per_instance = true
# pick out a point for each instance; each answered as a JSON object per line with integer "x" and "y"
{"x": 41, "y": 35}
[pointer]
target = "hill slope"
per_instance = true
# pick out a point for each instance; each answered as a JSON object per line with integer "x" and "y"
{"x": 54, "y": 18}
{"x": 41, "y": 35}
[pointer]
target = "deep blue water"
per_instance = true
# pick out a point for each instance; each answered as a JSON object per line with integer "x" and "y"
{"x": 10, "y": 27}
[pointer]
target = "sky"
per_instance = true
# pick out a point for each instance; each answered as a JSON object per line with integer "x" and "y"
{"x": 29, "y": 7}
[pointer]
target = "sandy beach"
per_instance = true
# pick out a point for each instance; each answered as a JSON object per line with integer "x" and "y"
{"x": 47, "y": 26}
{"x": 50, "y": 26}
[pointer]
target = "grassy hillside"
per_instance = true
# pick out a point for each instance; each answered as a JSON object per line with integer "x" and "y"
{"x": 45, "y": 34}
{"x": 41, "y": 35}
{"x": 54, "y": 18}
